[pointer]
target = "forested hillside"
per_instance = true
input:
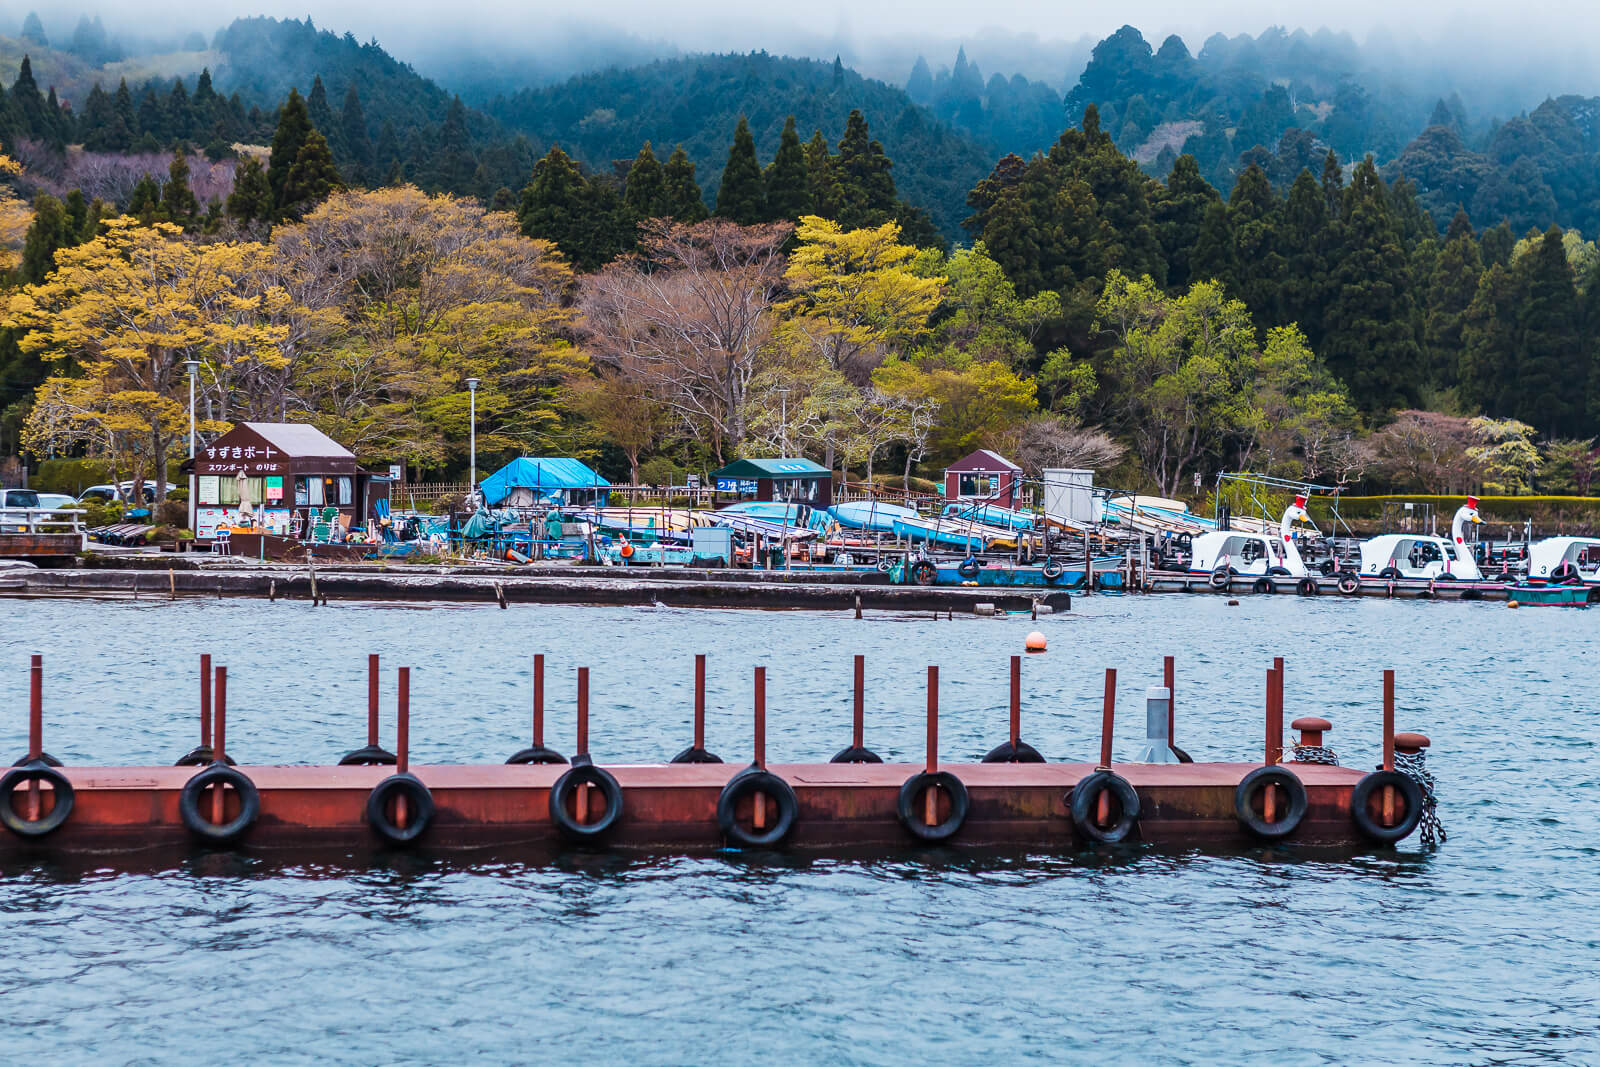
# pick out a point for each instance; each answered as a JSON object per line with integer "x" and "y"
{"x": 696, "y": 102}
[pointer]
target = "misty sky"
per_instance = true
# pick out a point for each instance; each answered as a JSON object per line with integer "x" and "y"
{"x": 724, "y": 24}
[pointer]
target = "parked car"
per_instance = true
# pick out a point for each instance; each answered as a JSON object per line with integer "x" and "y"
{"x": 12, "y": 503}
{"x": 123, "y": 491}
{"x": 57, "y": 500}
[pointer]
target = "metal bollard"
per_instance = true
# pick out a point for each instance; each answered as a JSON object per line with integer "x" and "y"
{"x": 1157, "y": 705}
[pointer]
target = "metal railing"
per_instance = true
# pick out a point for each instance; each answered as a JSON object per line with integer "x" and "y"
{"x": 41, "y": 520}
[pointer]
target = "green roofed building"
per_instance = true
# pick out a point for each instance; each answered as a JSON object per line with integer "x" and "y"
{"x": 791, "y": 479}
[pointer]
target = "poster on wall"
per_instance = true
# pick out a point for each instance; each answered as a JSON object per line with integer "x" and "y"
{"x": 274, "y": 486}
{"x": 207, "y": 520}
{"x": 210, "y": 489}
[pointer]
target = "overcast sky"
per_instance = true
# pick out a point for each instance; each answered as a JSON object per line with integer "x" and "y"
{"x": 725, "y": 24}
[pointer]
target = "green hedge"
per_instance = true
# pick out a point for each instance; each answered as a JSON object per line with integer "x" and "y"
{"x": 1580, "y": 510}
{"x": 75, "y": 475}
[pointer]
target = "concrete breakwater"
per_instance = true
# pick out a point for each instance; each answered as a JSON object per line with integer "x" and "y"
{"x": 671, "y": 587}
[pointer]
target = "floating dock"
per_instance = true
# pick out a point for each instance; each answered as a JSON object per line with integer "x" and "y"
{"x": 696, "y": 802}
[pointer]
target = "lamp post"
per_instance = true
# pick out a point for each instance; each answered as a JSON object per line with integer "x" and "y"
{"x": 783, "y": 417}
{"x": 472, "y": 448}
{"x": 193, "y": 367}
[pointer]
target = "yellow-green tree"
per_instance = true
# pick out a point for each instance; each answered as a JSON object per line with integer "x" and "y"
{"x": 857, "y": 299}
{"x": 974, "y": 401}
{"x": 125, "y": 311}
{"x": 414, "y": 295}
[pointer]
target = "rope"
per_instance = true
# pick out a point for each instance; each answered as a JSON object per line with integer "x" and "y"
{"x": 1416, "y": 768}
{"x": 1316, "y": 754}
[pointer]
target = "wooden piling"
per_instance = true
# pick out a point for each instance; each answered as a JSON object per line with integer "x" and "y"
{"x": 931, "y": 796}
{"x": 1168, "y": 676}
{"x": 1388, "y": 745}
{"x": 700, "y": 702}
{"x": 858, "y": 728}
{"x": 219, "y": 712}
{"x": 1016, "y": 702}
{"x": 1107, "y": 718}
{"x": 205, "y": 700}
{"x": 36, "y": 707}
{"x": 538, "y": 700}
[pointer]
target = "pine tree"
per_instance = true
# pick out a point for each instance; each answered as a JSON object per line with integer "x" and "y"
{"x": 180, "y": 114}
{"x": 1549, "y": 394}
{"x": 178, "y": 201}
{"x": 1304, "y": 239}
{"x": 1373, "y": 325}
{"x": 251, "y": 200}
{"x": 312, "y": 177}
{"x": 353, "y": 127}
{"x": 144, "y": 203}
{"x": 1450, "y": 291}
{"x": 1258, "y": 266}
{"x": 452, "y": 164}
{"x": 1496, "y": 245}
{"x": 740, "y": 197}
{"x": 822, "y": 178}
{"x": 558, "y": 205}
{"x": 867, "y": 189}
{"x": 294, "y": 127}
{"x": 788, "y": 187}
{"x": 50, "y": 231}
{"x": 1124, "y": 231}
{"x": 684, "y": 201}
{"x": 77, "y": 208}
{"x": 645, "y": 191}
{"x": 1332, "y": 185}
{"x": 33, "y": 31}
{"x": 919, "y": 87}
{"x": 1212, "y": 257}
{"x": 320, "y": 113}
{"x": 1178, "y": 210}
{"x": 152, "y": 118}
{"x": 386, "y": 165}
{"x": 29, "y": 103}
{"x": 1489, "y": 344}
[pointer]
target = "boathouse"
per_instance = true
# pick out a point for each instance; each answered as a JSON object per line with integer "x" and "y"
{"x": 790, "y": 479}
{"x": 530, "y": 480}
{"x": 983, "y": 477}
{"x": 264, "y": 475}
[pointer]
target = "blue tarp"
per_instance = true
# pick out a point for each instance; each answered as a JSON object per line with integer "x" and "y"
{"x": 541, "y": 474}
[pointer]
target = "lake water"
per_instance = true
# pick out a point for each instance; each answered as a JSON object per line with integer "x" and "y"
{"x": 1484, "y": 951}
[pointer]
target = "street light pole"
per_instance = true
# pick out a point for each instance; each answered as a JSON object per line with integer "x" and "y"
{"x": 472, "y": 460}
{"x": 193, "y": 367}
{"x": 783, "y": 418}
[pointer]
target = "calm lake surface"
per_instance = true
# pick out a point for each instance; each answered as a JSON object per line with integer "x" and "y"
{"x": 1484, "y": 951}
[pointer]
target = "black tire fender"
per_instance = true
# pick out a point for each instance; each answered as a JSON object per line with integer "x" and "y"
{"x": 924, "y": 573}
{"x": 1052, "y": 570}
{"x": 1410, "y": 794}
{"x": 218, "y": 774}
{"x": 535, "y": 754}
{"x": 855, "y": 754}
{"x": 747, "y": 783}
{"x": 911, "y": 794}
{"x": 1245, "y": 793}
{"x": 368, "y": 756}
{"x": 695, "y": 755}
{"x": 1263, "y": 586}
{"x": 1349, "y": 584}
{"x": 417, "y": 796}
{"x": 1221, "y": 578}
{"x": 1082, "y": 801}
{"x": 44, "y": 758}
{"x": 1006, "y": 752}
{"x": 1307, "y": 587}
{"x": 1390, "y": 573}
{"x": 584, "y": 772}
{"x": 968, "y": 568}
{"x": 18, "y": 778}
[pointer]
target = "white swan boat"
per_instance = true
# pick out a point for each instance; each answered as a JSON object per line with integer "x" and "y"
{"x": 1565, "y": 560}
{"x": 1390, "y": 556}
{"x": 1244, "y": 553}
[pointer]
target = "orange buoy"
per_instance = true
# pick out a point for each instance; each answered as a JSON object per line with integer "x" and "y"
{"x": 1035, "y": 642}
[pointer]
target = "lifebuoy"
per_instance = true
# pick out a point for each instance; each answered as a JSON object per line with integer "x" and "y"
{"x": 910, "y": 806}
{"x": 1052, "y": 570}
{"x": 1220, "y": 578}
{"x": 1006, "y": 752}
{"x": 584, "y": 772}
{"x": 854, "y": 754}
{"x": 924, "y": 573}
{"x": 746, "y": 784}
{"x": 1288, "y": 817}
{"x": 885, "y": 565}
{"x": 1084, "y": 800}
{"x": 1307, "y": 587}
{"x": 419, "y": 803}
{"x": 368, "y": 756}
{"x": 968, "y": 568}
{"x": 42, "y": 773}
{"x": 215, "y": 776}
{"x": 1349, "y": 584}
{"x": 535, "y": 754}
{"x": 1263, "y": 585}
{"x": 1365, "y": 794}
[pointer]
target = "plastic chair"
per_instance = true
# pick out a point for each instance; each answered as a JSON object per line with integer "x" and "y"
{"x": 222, "y": 542}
